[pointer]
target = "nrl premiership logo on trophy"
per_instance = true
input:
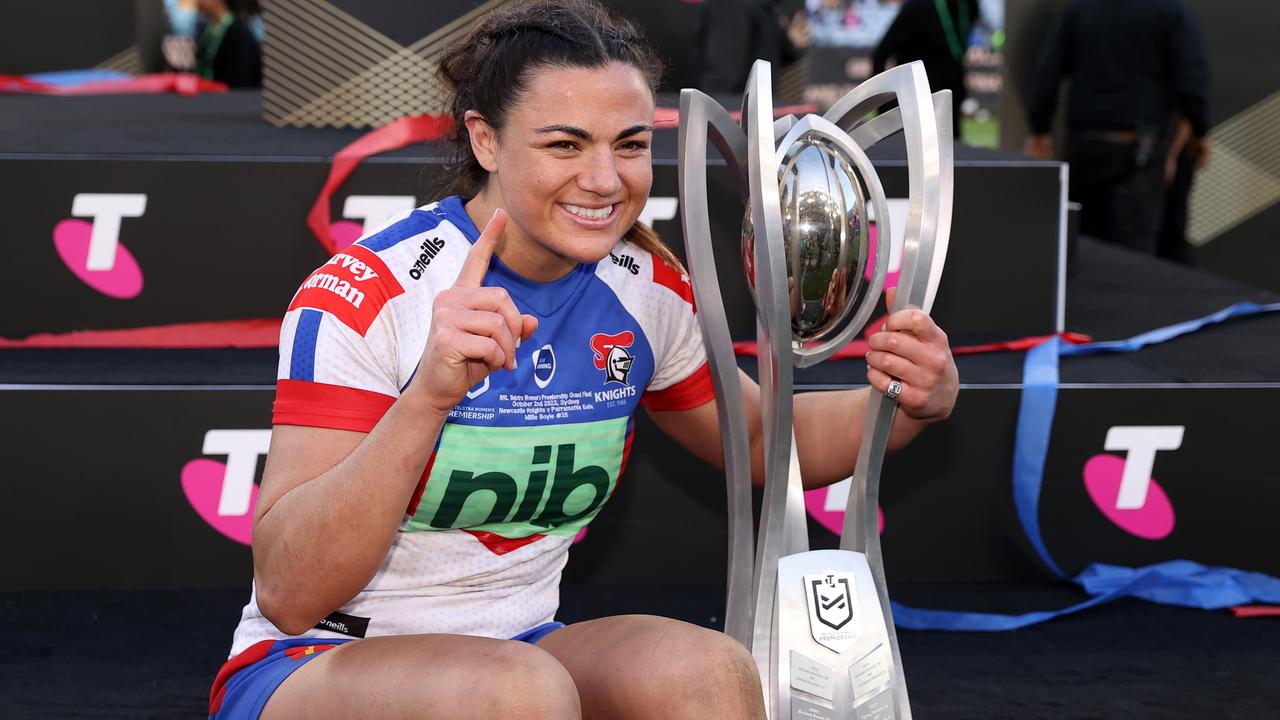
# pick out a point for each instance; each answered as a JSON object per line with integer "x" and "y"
{"x": 832, "y": 600}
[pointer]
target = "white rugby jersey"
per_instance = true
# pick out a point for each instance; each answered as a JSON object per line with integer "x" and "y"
{"x": 528, "y": 457}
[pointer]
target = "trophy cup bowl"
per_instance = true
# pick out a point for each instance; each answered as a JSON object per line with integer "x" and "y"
{"x": 825, "y": 237}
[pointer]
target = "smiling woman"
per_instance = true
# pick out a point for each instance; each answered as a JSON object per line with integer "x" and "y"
{"x": 572, "y": 186}
{"x": 455, "y": 404}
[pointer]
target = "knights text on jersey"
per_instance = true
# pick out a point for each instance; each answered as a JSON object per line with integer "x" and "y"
{"x": 529, "y": 456}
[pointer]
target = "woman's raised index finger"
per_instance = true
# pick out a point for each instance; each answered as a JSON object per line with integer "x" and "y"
{"x": 477, "y": 263}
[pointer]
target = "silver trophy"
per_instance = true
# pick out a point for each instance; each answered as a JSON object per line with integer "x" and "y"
{"x": 817, "y": 622}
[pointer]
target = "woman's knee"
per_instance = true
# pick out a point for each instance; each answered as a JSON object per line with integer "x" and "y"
{"x": 699, "y": 663}
{"x": 429, "y": 676}
{"x": 515, "y": 679}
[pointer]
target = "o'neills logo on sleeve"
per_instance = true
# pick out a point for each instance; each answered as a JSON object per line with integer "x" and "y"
{"x": 427, "y": 252}
{"x": 353, "y": 286}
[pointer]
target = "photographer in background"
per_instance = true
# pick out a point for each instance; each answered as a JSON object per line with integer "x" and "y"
{"x": 1135, "y": 66}
{"x": 227, "y": 48}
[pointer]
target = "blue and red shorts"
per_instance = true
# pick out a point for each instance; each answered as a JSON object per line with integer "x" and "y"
{"x": 246, "y": 681}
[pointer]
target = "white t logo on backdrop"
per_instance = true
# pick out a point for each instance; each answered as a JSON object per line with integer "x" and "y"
{"x": 658, "y": 208}
{"x": 1141, "y": 443}
{"x": 242, "y": 448}
{"x": 105, "y": 211}
{"x": 375, "y": 210}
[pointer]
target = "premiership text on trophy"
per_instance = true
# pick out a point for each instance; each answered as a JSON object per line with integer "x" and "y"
{"x": 818, "y": 622}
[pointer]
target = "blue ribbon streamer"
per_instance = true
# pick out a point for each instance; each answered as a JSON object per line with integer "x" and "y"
{"x": 1177, "y": 582}
{"x": 77, "y": 77}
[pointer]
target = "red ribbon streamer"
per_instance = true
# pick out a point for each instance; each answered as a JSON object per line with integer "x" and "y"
{"x": 151, "y": 84}
{"x": 1252, "y": 611}
{"x": 665, "y": 117}
{"x": 256, "y": 333}
{"x": 858, "y": 348}
{"x": 395, "y": 135}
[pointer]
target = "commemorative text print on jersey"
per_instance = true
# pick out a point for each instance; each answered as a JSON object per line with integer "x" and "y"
{"x": 506, "y": 491}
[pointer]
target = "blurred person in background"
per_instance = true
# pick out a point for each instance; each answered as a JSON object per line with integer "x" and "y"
{"x": 1134, "y": 66}
{"x": 733, "y": 34}
{"x": 179, "y": 44}
{"x": 1184, "y": 159}
{"x": 227, "y": 48}
{"x": 838, "y": 13}
{"x": 936, "y": 32}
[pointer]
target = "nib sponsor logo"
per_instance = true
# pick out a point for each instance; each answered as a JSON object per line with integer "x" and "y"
{"x": 827, "y": 506}
{"x": 554, "y": 493}
{"x": 372, "y": 211}
{"x": 91, "y": 249}
{"x": 1122, "y": 487}
{"x": 224, "y": 494}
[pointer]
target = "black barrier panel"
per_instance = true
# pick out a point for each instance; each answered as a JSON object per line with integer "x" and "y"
{"x": 194, "y": 241}
{"x": 1204, "y": 486}
{"x": 226, "y": 239}
{"x": 945, "y": 500}
{"x": 98, "y": 482}
{"x": 65, "y": 35}
{"x": 116, "y": 489}
{"x": 1002, "y": 277}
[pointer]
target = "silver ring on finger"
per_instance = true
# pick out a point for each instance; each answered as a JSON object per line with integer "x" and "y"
{"x": 894, "y": 390}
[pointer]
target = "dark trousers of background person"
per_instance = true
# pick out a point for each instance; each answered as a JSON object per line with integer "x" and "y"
{"x": 1173, "y": 224}
{"x": 1121, "y": 195}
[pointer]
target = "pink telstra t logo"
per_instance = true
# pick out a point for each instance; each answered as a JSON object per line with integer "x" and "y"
{"x": 827, "y": 505}
{"x": 372, "y": 210}
{"x": 1122, "y": 487}
{"x": 224, "y": 494}
{"x": 92, "y": 250}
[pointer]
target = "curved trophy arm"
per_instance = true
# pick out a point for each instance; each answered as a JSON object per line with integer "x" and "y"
{"x": 926, "y": 151}
{"x": 699, "y": 113}
{"x": 783, "y": 528}
{"x": 909, "y": 85}
{"x": 855, "y": 318}
{"x": 873, "y": 131}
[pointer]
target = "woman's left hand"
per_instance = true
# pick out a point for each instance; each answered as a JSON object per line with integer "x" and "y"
{"x": 913, "y": 350}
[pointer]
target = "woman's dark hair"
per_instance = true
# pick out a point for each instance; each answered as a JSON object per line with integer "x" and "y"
{"x": 489, "y": 70}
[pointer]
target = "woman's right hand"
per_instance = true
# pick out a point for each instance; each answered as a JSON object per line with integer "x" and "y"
{"x": 475, "y": 330}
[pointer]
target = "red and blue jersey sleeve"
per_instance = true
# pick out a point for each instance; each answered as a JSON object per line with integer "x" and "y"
{"x": 337, "y": 346}
{"x": 681, "y": 379}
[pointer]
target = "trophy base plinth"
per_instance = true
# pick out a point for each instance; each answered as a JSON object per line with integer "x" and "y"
{"x": 832, "y": 657}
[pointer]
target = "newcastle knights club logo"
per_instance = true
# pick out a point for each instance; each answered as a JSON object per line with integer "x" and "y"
{"x": 610, "y": 355}
{"x": 831, "y": 599}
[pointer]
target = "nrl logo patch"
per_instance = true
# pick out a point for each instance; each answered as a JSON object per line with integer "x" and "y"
{"x": 832, "y": 605}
